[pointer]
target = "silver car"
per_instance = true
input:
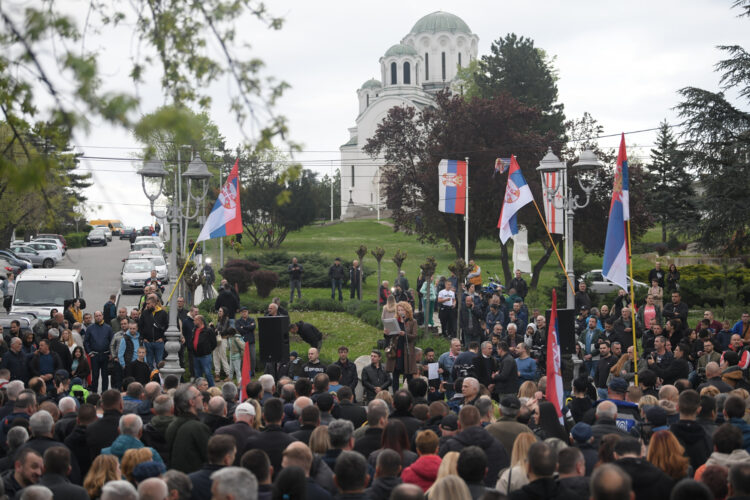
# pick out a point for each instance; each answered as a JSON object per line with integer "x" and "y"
{"x": 134, "y": 275}
{"x": 162, "y": 271}
{"x": 40, "y": 254}
{"x": 28, "y": 253}
{"x": 603, "y": 286}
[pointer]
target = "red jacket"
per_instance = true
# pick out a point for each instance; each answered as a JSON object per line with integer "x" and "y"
{"x": 422, "y": 472}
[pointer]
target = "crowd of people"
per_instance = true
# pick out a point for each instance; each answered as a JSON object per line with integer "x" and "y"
{"x": 469, "y": 423}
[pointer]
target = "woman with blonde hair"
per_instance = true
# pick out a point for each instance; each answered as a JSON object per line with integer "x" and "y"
{"x": 450, "y": 488}
{"x": 389, "y": 309}
{"x": 400, "y": 353}
{"x": 666, "y": 453}
{"x": 385, "y": 396}
{"x": 320, "y": 443}
{"x": 67, "y": 338}
{"x": 105, "y": 468}
{"x": 514, "y": 477}
{"x": 132, "y": 458}
{"x": 448, "y": 467}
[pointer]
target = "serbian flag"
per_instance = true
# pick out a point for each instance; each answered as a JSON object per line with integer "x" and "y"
{"x": 517, "y": 194}
{"x": 501, "y": 165}
{"x": 554, "y": 373}
{"x": 616, "y": 258}
{"x": 247, "y": 371}
{"x": 452, "y": 175}
{"x": 226, "y": 217}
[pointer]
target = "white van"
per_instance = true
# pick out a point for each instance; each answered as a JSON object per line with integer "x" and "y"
{"x": 39, "y": 291}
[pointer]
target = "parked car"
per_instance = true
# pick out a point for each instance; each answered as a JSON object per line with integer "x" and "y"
{"x": 59, "y": 237}
{"x": 16, "y": 260}
{"x": 144, "y": 245}
{"x": 125, "y": 233}
{"x": 162, "y": 270}
{"x": 29, "y": 323}
{"x": 28, "y": 253}
{"x": 134, "y": 275}
{"x": 50, "y": 250}
{"x": 107, "y": 232}
{"x": 145, "y": 231}
{"x": 96, "y": 237}
{"x": 602, "y": 286}
{"x": 6, "y": 267}
{"x": 154, "y": 239}
{"x": 53, "y": 241}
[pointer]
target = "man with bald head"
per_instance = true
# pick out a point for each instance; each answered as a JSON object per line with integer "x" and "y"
{"x": 131, "y": 430}
{"x": 300, "y": 404}
{"x": 606, "y": 422}
{"x": 713, "y": 378}
{"x": 298, "y": 454}
{"x": 216, "y": 413}
{"x": 153, "y": 488}
{"x": 610, "y": 482}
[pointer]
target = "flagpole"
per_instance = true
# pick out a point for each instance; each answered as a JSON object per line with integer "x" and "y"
{"x": 552, "y": 242}
{"x": 632, "y": 306}
{"x": 466, "y": 217}
{"x": 195, "y": 245}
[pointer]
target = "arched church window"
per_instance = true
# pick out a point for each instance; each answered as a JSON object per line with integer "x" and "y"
{"x": 407, "y": 73}
{"x": 459, "y": 59}
{"x": 426, "y": 66}
{"x": 394, "y": 70}
{"x": 368, "y": 101}
{"x": 352, "y": 175}
{"x": 443, "y": 63}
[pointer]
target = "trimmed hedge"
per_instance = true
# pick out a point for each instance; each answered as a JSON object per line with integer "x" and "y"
{"x": 315, "y": 267}
{"x": 76, "y": 240}
{"x": 265, "y": 281}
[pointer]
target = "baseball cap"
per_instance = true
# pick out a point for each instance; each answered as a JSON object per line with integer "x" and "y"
{"x": 581, "y": 432}
{"x": 294, "y": 353}
{"x": 76, "y": 381}
{"x": 511, "y": 402}
{"x": 62, "y": 374}
{"x": 146, "y": 470}
{"x": 244, "y": 409}
{"x": 618, "y": 384}
{"x": 449, "y": 422}
{"x": 243, "y": 308}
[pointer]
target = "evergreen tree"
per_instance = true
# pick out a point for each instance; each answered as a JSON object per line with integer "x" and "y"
{"x": 671, "y": 198}
{"x": 717, "y": 142}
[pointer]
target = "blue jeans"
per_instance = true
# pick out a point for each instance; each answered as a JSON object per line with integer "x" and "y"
{"x": 590, "y": 367}
{"x": 203, "y": 368}
{"x": 154, "y": 353}
{"x": 336, "y": 284}
{"x": 295, "y": 285}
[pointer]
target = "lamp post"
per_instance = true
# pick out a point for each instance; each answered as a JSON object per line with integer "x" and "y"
{"x": 587, "y": 162}
{"x": 197, "y": 170}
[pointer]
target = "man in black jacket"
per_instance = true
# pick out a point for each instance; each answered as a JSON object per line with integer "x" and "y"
{"x": 649, "y": 482}
{"x": 105, "y": 430}
{"x": 202, "y": 344}
{"x": 336, "y": 273}
{"x": 374, "y": 377}
{"x": 540, "y": 469}
{"x": 676, "y": 310}
{"x": 56, "y": 469}
{"x": 349, "y": 376}
{"x": 606, "y": 361}
{"x": 471, "y": 314}
{"x": 295, "y": 279}
{"x": 221, "y": 450}
{"x": 691, "y": 434}
{"x": 44, "y": 363}
{"x": 15, "y": 361}
{"x": 273, "y": 440}
{"x": 308, "y": 333}
{"x": 152, "y": 325}
{"x": 506, "y": 378}
{"x": 519, "y": 284}
{"x": 355, "y": 278}
{"x": 377, "y": 416}
{"x": 227, "y": 298}
{"x": 472, "y": 434}
{"x": 61, "y": 349}
{"x": 485, "y": 365}
{"x": 356, "y": 414}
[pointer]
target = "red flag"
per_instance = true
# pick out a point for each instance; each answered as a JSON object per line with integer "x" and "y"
{"x": 246, "y": 370}
{"x": 554, "y": 375}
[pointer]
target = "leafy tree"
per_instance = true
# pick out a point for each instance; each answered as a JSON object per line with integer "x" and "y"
{"x": 378, "y": 253}
{"x": 274, "y": 202}
{"x": 717, "y": 142}
{"x": 413, "y": 143}
{"x": 515, "y": 66}
{"x": 175, "y": 41}
{"x": 671, "y": 199}
{"x": 398, "y": 258}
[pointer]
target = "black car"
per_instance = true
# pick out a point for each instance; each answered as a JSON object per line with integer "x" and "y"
{"x": 14, "y": 260}
{"x": 96, "y": 237}
{"x": 125, "y": 233}
{"x": 145, "y": 231}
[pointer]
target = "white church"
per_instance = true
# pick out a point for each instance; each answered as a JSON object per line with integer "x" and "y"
{"x": 411, "y": 73}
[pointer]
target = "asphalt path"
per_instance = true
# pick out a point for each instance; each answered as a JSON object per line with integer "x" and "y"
{"x": 101, "y": 268}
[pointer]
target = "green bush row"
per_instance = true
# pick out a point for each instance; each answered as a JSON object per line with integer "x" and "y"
{"x": 366, "y": 311}
{"x": 76, "y": 240}
{"x": 702, "y": 284}
{"x": 315, "y": 267}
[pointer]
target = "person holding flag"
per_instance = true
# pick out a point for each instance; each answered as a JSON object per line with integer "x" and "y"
{"x": 517, "y": 194}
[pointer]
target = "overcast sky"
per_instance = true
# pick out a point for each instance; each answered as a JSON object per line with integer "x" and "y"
{"x": 621, "y": 61}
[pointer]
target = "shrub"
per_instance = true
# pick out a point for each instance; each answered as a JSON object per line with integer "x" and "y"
{"x": 248, "y": 265}
{"x": 265, "y": 282}
{"x": 76, "y": 240}
{"x": 327, "y": 305}
{"x": 239, "y": 276}
{"x": 207, "y": 306}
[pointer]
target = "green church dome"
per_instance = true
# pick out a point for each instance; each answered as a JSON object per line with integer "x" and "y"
{"x": 400, "y": 50}
{"x": 440, "y": 21}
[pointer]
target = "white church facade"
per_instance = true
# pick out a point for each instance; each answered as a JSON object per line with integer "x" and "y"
{"x": 411, "y": 73}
